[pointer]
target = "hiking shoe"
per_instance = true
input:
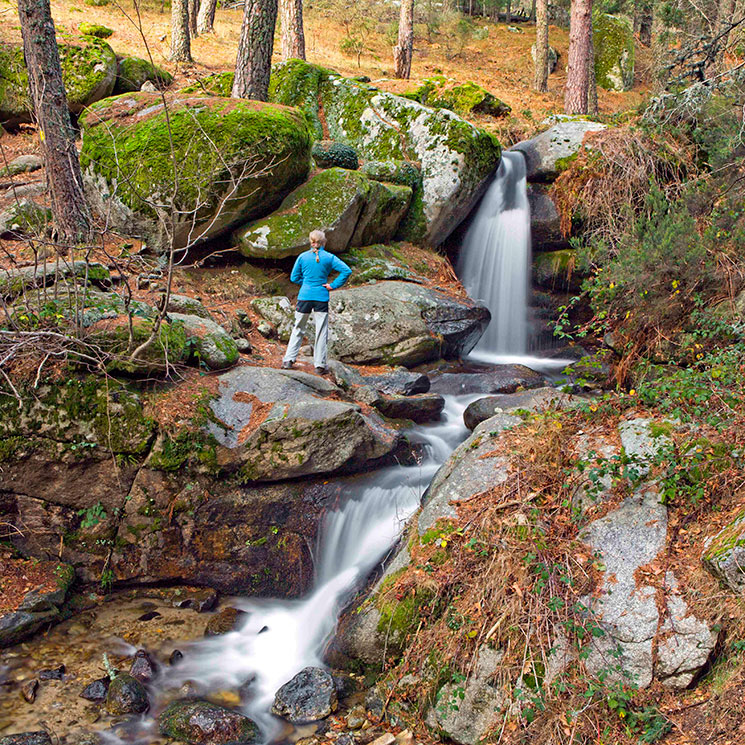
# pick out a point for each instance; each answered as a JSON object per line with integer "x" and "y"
{"x": 287, "y": 365}
{"x": 321, "y": 370}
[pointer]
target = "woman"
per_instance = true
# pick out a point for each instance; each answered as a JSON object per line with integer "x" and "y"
{"x": 311, "y": 272}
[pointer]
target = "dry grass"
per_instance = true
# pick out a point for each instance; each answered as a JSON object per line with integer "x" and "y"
{"x": 501, "y": 62}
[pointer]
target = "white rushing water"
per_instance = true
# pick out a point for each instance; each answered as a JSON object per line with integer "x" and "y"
{"x": 494, "y": 262}
{"x": 281, "y": 637}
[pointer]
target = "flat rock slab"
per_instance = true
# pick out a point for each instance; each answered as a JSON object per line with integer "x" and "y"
{"x": 275, "y": 426}
{"x": 502, "y": 379}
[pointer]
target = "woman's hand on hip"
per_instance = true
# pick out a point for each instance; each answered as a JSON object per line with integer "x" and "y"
{"x": 328, "y": 286}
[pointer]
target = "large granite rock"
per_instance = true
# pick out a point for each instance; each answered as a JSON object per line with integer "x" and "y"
{"x": 456, "y": 158}
{"x": 235, "y": 160}
{"x": 545, "y": 152}
{"x": 276, "y": 425}
{"x": 465, "y": 99}
{"x": 395, "y": 323}
{"x": 350, "y": 208}
{"x": 132, "y": 72}
{"x": 88, "y": 72}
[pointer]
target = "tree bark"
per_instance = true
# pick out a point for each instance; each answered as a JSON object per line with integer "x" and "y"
{"x": 254, "y": 60}
{"x": 592, "y": 88}
{"x": 540, "y": 75}
{"x": 578, "y": 72}
{"x": 404, "y": 50}
{"x": 293, "y": 37}
{"x": 69, "y": 207}
{"x": 508, "y": 12}
{"x": 180, "y": 38}
{"x": 193, "y": 6}
{"x": 206, "y": 16}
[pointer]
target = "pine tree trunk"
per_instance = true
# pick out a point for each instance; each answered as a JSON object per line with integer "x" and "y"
{"x": 180, "y": 38}
{"x": 69, "y": 207}
{"x": 206, "y": 16}
{"x": 404, "y": 50}
{"x": 578, "y": 72}
{"x": 540, "y": 76}
{"x": 193, "y": 6}
{"x": 592, "y": 88}
{"x": 291, "y": 22}
{"x": 254, "y": 60}
{"x": 509, "y": 11}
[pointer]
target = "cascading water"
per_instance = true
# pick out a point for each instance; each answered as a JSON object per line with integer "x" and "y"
{"x": 281, "y": 637}
{"x": 495, "y": 259}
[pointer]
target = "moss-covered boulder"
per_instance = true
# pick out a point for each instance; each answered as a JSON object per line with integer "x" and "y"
{"x": 349, "y": 207}
{"x": 402, "y": 172}
{"x": 95, "y": 29}
{"x": 132, "y": 72}
{"x": 614, "y": 52}
{"x": 210, "y": 343}
{"x": 218, "y": 84}
{"x": 180, "y": 179}
{"x": 556, "y": 270}
{"x": 330, "y": 154}
{"x": 88, "y": 72}
{"x": 24, "y": 217}
{"x": 456, "y": 158}
{"x": 465, "y": 99}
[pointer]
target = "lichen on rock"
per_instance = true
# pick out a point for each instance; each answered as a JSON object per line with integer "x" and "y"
{"x": 614, "y": 52}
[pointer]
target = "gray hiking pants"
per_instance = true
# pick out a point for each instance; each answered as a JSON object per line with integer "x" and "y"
{"x": 298, "y": 332}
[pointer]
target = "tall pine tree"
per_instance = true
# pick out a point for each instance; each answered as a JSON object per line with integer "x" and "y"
{"x": 253, "y": 63}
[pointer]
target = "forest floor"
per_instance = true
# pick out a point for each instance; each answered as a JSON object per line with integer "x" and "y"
{"x": 500, "y": 61}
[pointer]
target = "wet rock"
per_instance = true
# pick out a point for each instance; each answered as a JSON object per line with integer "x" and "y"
{"x": 725, "y": 555}
{"x": 55, "y": 673}
{"x": 424, "y": 407}
{"x": 228, "y": 619}
{"x": 200, "y": 599}
{"x": 687, "y": 642}
{"x": 345, "y": 684}
{"x": 27, "y": 738}
{"x": 545, "y": 153}
{"x": 545, "y": 225}
{"x": 175, "y": 657}
{"x": 502, "y": 379}
{"x": 200, "y": 722}
{"x": 276, "y": 425}
{"x": 20, "y": 625}
{"x": 126, "y": 695}
{"x": 143, "y": 667}
{"x": 96, "y": 690}
{"x": 308, "y": 697}
{"x": 150, "y": 615}
{"x": 539, "y": 398}
{"x": 28, "y": 690}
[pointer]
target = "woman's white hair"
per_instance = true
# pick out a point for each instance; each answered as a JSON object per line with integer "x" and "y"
{"x": 318, "y": 236}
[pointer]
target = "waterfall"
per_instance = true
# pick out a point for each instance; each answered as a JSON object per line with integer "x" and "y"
{"x": 495, "y": 259}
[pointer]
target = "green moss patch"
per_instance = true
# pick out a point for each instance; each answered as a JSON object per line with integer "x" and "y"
{"x": 95, "y": 29}
{"x": 133, "y": 72}
{"x": 614, "y": 52}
